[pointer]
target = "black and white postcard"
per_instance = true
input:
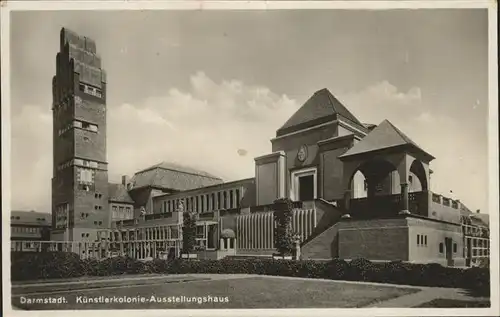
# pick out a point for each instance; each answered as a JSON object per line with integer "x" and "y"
{"x": 250, "y": 158}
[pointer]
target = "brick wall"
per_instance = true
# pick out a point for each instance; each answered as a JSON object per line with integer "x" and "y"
{"x": 267, "y": 183}
{"x": 435, "y": 234}
{"x": 291, "y": 145}
{"x": 332, "y": 173}
{"x": 374, "y": 239}
{"x": 324, "y": 246}
{"x": 88, "y": 208}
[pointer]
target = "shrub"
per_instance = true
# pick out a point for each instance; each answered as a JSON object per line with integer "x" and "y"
{"x": 188, "y": 232}
{"x": 44, "y": 265}
{"x": 359, "y": 270}
{"x": 477, "y": 281}
{"x": 283, "y": 236}
{"x": 32, "y": 266}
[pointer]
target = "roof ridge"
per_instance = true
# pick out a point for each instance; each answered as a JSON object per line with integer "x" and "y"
{"x": 182, "y": 169}
{"x": 334, "y": 101}
{"x": 402, "y": 134}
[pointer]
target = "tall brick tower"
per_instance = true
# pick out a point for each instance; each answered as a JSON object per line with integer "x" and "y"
{"x": 80, "y": 177}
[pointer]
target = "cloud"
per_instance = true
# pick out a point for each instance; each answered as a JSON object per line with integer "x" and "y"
{"x": 376, "y": 102}
{"x": 221, "y": 126}
{"x": 31, "y": 159}
{"x": 207, "y": 127}
{"x": 461, "y": 158}
{"x": 214, "y": 126}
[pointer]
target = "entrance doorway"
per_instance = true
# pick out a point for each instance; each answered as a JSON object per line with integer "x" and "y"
{"x": 304, "y": 185}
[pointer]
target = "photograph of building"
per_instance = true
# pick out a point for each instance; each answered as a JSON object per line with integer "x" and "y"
{"x": 240, "y": 158}
{"x": 357, "y": 187}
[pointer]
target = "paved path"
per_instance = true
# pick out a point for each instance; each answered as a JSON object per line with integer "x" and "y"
{"x": 426, "y": 295}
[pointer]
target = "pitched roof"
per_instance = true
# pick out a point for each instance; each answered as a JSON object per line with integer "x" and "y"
{"x": 174, "y": 177}
{"x": 321, "y": 105}
{"x": 384, "y": 136}
{"x": 21, "y": 217}
{"x": 119, "y": 193}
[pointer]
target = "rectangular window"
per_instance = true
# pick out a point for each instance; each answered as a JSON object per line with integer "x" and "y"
{"x": 441, "y": 248}
{"x": 218, "y": 201}
{"x": 454, "y": 248}
{"x": 418, "y": 239}
{"x": 425, "y": 240}
{"x": 237, "y": 198}
{"x": 200, "y": 231}
{"x": 224, "y": 201}
{"x": 231, "y": 199}
{"x": 212, "y": 205}
{"x": 202, "y": 207}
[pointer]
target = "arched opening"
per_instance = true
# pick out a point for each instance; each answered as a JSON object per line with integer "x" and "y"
{"x": 374, "y": 178}
{"x": 374, "y": 190}
{"x": 359, "y": 185}
{"x": 417, "y": 178}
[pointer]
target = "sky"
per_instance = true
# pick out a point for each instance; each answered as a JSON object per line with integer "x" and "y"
{"x": 209, "y": 89}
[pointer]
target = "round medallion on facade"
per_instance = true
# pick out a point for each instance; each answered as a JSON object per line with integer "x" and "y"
{"x": 302, "y": 155}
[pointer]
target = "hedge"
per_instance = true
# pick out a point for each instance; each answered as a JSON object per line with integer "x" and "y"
{"x": 32, "y": 266}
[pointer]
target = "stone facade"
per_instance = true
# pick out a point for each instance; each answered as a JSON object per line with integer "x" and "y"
{"x": 80, "y": 182}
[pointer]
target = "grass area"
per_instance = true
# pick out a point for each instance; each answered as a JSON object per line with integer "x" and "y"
{"x": 453, "y": 303}
{"x": 100, "y": 283}
{"x": 253, "y": 292}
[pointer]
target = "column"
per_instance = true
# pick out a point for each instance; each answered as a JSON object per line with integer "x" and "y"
{"x": 271, "y": 224}
{"x": 266, "y": 231}
{"x": 235, "y": 202}
{"x": 404, "y": 199}
{"x": 347, "y": 200}
{"x": 347, "y": 204}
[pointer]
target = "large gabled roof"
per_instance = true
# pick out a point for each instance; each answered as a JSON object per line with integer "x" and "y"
{"x": 119, "y": 193}
{"x": 321, "y": 105}
{"x": 173, "y": 177}
{"x": 384, "y": 136}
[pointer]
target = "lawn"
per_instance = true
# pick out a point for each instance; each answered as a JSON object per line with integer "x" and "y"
{"x": 452, "y": 303}
{"x": 252, "y": 292}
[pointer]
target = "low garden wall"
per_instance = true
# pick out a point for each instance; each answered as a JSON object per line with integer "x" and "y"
{"x": 27, "y": 266}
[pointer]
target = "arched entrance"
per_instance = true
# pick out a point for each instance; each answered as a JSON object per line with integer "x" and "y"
{"x": 378, "y": 193}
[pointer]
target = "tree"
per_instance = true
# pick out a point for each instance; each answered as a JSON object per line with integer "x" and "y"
{"x": 283, "y": 236}
{"x": 188, "y": 233}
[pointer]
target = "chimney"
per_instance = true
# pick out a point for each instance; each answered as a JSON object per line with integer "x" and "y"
{"x": 125, "y": 180}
